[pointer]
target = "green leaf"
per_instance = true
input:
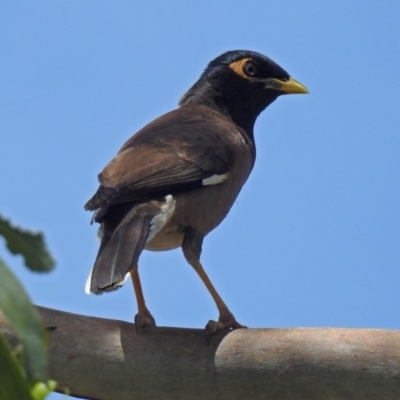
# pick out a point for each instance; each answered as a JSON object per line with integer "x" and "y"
{"x": 40, "y": 390}
{"x": 25, "y": 321}
{"x": 30, "y": 245}
{"x": 12, "y": 381}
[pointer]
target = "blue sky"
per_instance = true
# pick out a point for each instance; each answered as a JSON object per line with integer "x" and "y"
{"x": 313, "y": 239}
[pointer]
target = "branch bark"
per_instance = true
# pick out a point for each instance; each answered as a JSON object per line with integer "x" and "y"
{"x": 106, "y": 359}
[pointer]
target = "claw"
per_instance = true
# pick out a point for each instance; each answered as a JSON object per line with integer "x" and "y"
{"x": 224, "y": 322}
{"x": 144, "y": 319}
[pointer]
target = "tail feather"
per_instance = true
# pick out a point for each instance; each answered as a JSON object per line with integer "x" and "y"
{"x": 120, "y": 250}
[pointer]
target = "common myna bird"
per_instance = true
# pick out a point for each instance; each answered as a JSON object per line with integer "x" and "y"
{"x": 176, "y": 179}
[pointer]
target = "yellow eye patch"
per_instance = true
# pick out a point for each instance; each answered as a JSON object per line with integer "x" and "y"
{"x": 238, "y": 67}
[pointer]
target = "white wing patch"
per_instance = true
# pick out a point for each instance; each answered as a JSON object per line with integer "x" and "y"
{"x": 215, "y": 179}
{"x": 162, "y": 219}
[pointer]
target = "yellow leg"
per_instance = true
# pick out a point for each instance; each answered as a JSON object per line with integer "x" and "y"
{"x": 226, "y": 318}
{"x": 143, "y": 317}
{"x": 191, "y": 247}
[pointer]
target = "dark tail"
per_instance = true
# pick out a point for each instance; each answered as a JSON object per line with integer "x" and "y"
{"x": 120, "y": 246}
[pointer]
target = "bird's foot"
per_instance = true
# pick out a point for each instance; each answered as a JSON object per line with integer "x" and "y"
{"x": 144, "y": 318}
{"x": 225, "y": 321}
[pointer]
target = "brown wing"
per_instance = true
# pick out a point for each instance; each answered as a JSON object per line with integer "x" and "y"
{"x": 174, "y": 153}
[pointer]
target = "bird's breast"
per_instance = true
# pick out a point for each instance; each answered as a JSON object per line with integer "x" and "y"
{"x": 203, "y": 208}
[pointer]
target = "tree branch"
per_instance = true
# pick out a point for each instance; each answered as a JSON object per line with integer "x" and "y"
{"x": 106, "y": 359}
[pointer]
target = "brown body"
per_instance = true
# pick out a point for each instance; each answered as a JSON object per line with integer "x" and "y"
{"x": 176, "y": 179}
{"x": 204, "y": 208}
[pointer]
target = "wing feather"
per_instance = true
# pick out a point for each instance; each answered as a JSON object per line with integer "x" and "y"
{"x": 167, "y": 155}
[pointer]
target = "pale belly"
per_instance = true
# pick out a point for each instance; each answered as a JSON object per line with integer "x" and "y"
{"x": 165, "y": 240}
{"x": 201, "y": 209}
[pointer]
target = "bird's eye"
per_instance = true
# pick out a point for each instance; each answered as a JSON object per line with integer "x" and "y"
{"x": 250, "y": 69}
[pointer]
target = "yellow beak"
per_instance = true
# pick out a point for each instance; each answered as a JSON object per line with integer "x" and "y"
{"x": 291, "y": 86}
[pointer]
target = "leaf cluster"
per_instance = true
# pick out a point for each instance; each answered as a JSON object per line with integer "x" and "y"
{"x": 23, "y": 370}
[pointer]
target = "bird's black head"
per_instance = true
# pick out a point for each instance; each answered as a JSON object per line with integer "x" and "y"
{"x": 241, "y": 84}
